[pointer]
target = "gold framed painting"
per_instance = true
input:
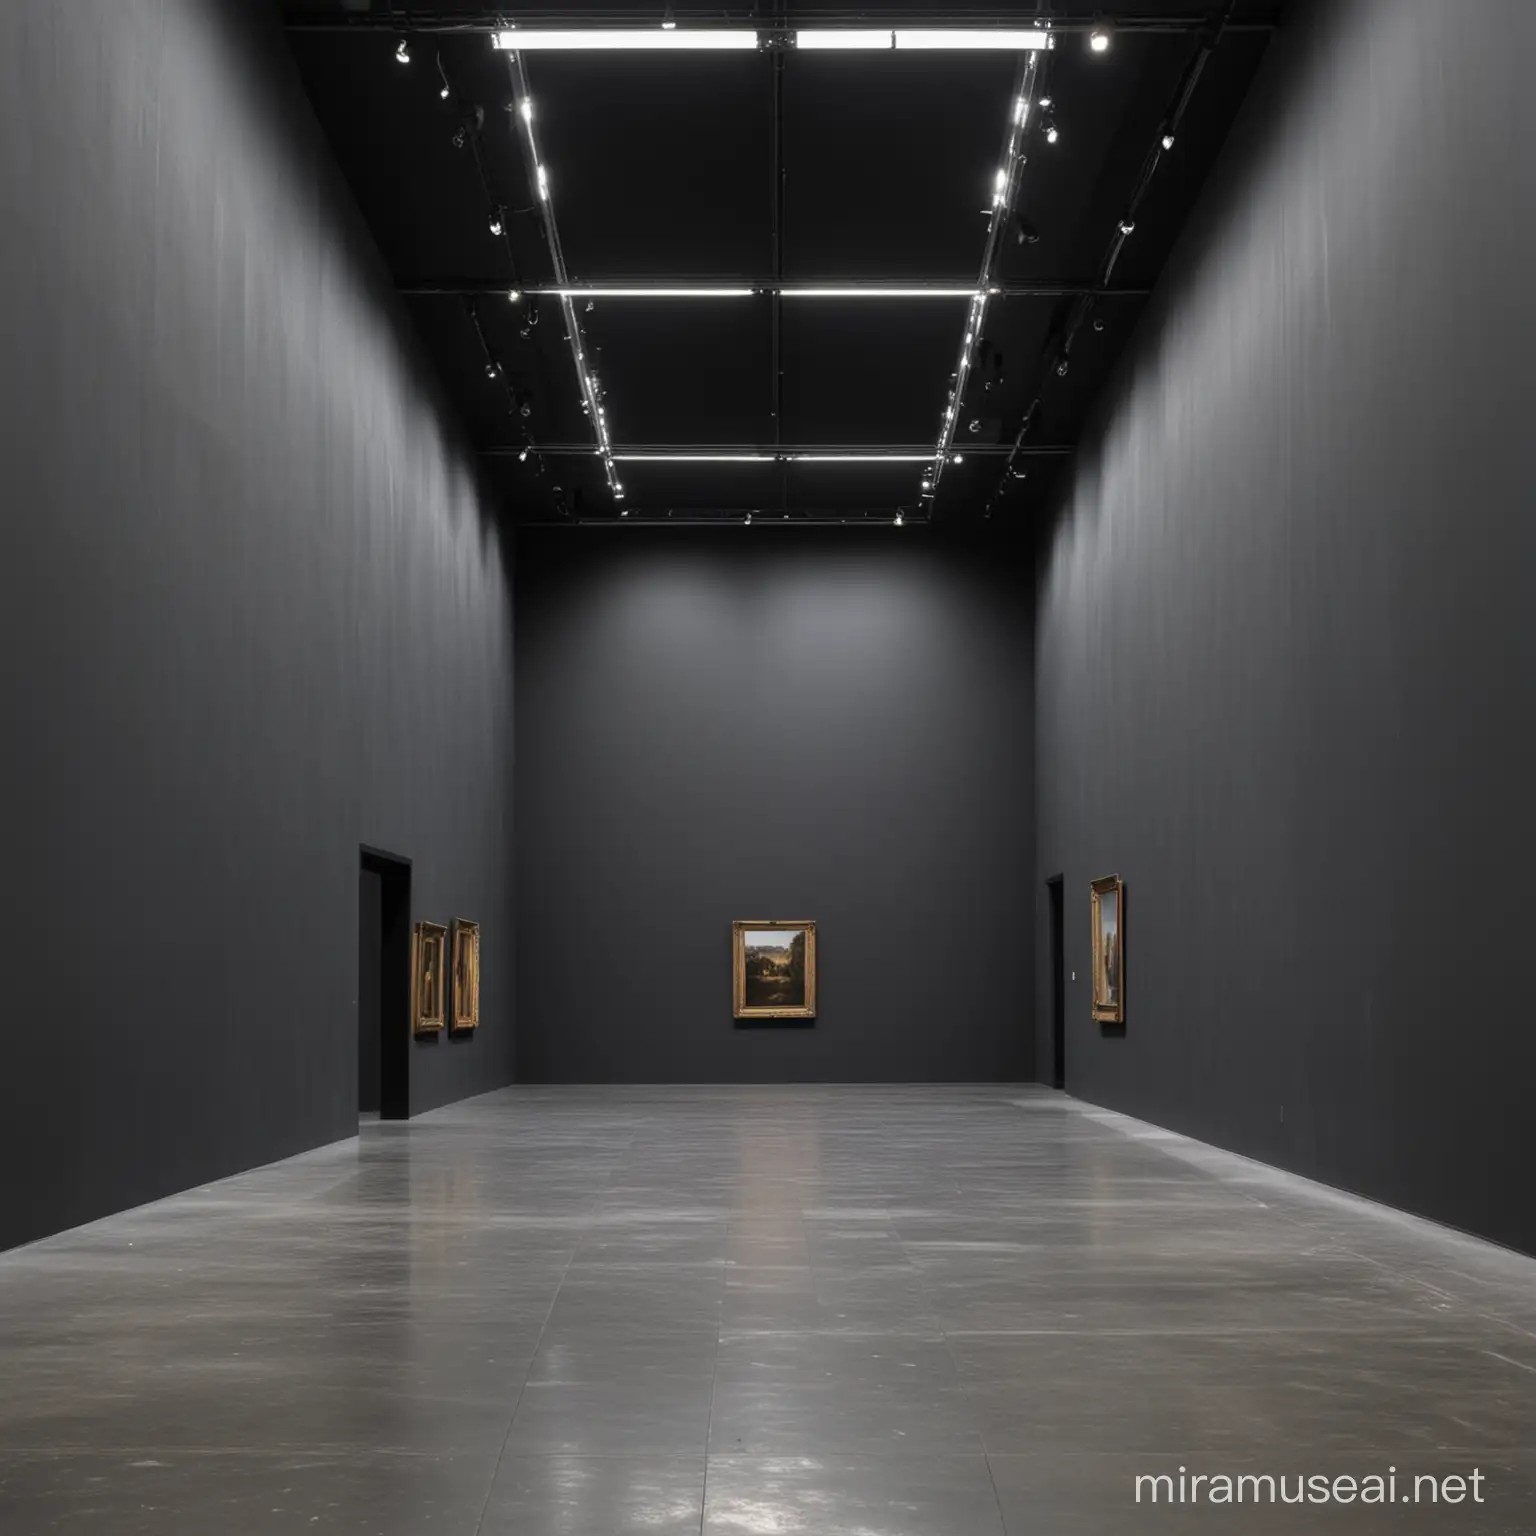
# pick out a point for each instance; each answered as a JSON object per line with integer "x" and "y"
{"x": 466, "y": 974}
{"x": 429, "y": 964}
{"x": 1109, "y": 949}
{"x": 773, "y": 966}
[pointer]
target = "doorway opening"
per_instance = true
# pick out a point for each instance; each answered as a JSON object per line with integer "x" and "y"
{"x": 1055, "y": 889}
{"x": 383, "y": 986}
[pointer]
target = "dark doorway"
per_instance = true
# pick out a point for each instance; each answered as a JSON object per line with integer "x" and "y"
{"x": 1054, "y": 890}
{"x": 383, "y": 985}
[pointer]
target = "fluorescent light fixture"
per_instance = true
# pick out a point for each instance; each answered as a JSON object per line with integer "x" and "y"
{"x": 543, "y": 183}
{"x": 526, "y": 108}
{"x": 847, "y": 38}
{"x": 860, "y": 458}
{"x": 599, "y": 39}
{"x": 879, "y": 293}
{"x": 955, "y": 38}
{"x": 655, "y": 293}
{"x": 693, "y": 458}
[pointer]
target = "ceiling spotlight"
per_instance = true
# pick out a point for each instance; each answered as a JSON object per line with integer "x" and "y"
{"x": 445, "y": 93}
{"x": 1052, "y": 133}
{"x": 898, "y": 519}
{"x": 403, "y": 51}
{"x": 975, "y": 425}
{"x": 749, "y": 519}
{"x": 1127, "y": 227}
{"x": 515, "y": 295}
{"x": 496, "y": 223}
{"x": 522, "y": 458}
{"x": 1167, "y": 141}
{"x": 1045, "y": 101}
{"x": 491, "y": 370}
{"x": 1098, "y": 39}
{"x": 927, "y": 485}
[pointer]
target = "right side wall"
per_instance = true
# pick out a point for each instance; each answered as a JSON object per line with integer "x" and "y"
{"x": 1286, "y": 652}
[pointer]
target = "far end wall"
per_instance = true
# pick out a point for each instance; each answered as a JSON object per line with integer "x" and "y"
{"x": 1286, "y": 661}
{"x": 771, "y": 723}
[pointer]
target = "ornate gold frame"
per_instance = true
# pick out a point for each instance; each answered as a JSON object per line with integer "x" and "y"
{"x": 466, "y": 974}
{"x": 1104, "y": 1012}
{"x": 739, "y": 971}
{"x": 429, "y": 956}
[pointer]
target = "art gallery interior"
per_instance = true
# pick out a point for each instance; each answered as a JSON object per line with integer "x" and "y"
{"x": 768, "y": 767}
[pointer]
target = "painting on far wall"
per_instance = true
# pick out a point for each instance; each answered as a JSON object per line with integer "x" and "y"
{"x": 1109, "y": 950}
{"x": 774, "y": 969}
{"x": 466, "y": 975}
{"x": 428, "y": 979}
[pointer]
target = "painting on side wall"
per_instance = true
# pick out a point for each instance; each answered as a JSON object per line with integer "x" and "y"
{"x": 774, "y": 966}
{"x": 466, "y": 974}
{"x": 1109, "y": 950}
{"x": 429, "y": 964}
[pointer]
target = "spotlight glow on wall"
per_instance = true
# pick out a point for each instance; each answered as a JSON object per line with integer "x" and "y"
{"x": 631, "y": 40}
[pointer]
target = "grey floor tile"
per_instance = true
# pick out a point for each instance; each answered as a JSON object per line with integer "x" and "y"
{"x": 596, "y": 1496}
{"x": 827, "y": 1495}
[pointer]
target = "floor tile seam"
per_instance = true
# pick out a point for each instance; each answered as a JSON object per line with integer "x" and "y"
{"x": 522, "y": 1391}
{"x": 1470, "y": 1308}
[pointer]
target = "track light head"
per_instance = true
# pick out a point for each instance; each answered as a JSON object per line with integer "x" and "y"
{"x": 1052, "y": 132}
{"x": 403, "y": 51}
{"x": 1100, "y": 38}
{"x": 1167, "y": 141}
{"x": 1127, "y": 226}
{"x": 522, "y": 458}
{"x": 492, "y": 370}
{"x": 498, "y": 222}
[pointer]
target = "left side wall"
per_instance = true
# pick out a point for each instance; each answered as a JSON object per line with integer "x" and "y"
{"x": 256, "y": 615}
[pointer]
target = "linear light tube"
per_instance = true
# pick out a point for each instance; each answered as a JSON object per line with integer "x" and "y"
{"x": 632, "y": 40}
{"x": 693, "y": 458}
{"x": 879, "y": 293}
{"x": 655, "y": 293}
{"x": 971, "y": 37}
{"x": 861, "y": 458}
{"x": 846, "y": 37}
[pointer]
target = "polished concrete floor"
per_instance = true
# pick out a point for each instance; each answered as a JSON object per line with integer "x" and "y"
{"x": 837, "y": 1312}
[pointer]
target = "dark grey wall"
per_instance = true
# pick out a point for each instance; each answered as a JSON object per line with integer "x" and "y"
{"x": 758, "y": 723}
{"x": 1285, "y": 656}
{"x": 254, "y": 617}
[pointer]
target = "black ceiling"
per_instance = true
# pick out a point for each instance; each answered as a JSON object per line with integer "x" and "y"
{"x": 662, "y": 167}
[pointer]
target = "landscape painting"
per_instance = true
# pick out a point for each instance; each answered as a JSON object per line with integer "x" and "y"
{"x": 774, "y": 970}
{"x": 1109, "y": 950}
